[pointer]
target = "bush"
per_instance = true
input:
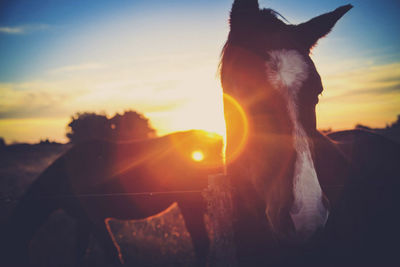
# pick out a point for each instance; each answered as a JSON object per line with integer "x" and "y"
{"x": 129, "y": 126}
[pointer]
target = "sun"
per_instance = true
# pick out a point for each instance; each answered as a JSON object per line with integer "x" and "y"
{"x": 197, "y": 155}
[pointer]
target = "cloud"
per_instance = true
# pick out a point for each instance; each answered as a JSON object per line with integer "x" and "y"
{"x": 23, "y": 29}
{"x": 369, "y": 95}
{"x": 78, "y": 67}
{"x": 370, "y": 81}
{"x": 161, "y": 88}
{"x": 29, "y": 100}
{"x": 11, "y": 30}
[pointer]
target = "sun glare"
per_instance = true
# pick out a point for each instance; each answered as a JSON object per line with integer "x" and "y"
{"x": 240, "y": 125}
{"x": 197, "y": 155}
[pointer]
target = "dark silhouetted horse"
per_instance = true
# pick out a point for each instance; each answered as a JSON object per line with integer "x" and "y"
{"x": 300, "y": 197}
{"x": 98, "y": 179}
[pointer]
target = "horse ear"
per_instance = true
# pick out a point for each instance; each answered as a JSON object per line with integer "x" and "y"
{"x": 311, "y": 31}
{"x": 243, "y": 10}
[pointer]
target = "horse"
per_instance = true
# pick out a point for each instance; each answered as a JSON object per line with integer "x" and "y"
{"x": 299, "y": 197}
{"x": 99, "y": 179}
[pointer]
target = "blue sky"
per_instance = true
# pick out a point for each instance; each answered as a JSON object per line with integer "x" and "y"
{"x": 60, "y": 57}
{"x": 372, "y": 27}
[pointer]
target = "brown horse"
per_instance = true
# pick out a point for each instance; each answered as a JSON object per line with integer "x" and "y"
{"x": 99, "y": 179}
{"x": 300, "y": 197}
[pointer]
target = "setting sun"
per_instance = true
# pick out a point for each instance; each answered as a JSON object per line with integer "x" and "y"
{"x": 197, "y": 155}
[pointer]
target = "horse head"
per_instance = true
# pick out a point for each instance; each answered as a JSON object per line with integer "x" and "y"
{"x": 266, "y": 66}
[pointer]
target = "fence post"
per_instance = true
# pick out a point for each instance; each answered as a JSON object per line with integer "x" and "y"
{"x": 219, "y": 200}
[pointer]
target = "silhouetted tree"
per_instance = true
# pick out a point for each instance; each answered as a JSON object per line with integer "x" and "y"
{"x": 2, "y": 142}
{"x": 85, "y": 126}
{"x": 395, "y": 124}
{"x": 129, "y": 126}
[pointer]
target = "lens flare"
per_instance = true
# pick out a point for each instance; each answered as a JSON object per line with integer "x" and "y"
{"x": 197, "y": 155}
{"x": 237, "y": 127}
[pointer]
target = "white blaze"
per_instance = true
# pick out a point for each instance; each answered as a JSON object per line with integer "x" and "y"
{"x": 287, "y": 71}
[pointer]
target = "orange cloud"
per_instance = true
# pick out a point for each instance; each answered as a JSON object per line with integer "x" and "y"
{"x": 369, "y": 95}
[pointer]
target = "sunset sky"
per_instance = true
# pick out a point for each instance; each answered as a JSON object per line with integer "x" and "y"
{"x": 161, "y": 57}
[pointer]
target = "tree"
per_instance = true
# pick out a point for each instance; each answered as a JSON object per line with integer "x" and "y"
{"x": 395, "y": 124}
{"x": 129, "y": 126}
{"x": 2, "y": 142}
